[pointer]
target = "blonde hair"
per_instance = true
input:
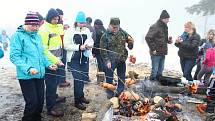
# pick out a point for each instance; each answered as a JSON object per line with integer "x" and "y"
{"x": 211, "y": 31}
{"x": 190, "y": 25}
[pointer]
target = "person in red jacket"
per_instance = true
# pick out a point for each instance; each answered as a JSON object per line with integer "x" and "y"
{"x": 207, "y": 65}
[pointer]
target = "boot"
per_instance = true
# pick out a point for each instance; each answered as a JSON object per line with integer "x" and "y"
{"x": 54, "y": 112}
{"x": 65, "y": 84}
{"x": 61, "y": 99}
{"x": 80, "y": 106}
{"x": 84, "y": 100}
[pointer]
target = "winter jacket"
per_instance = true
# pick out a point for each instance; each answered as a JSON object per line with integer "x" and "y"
{"x": 26, "y": 51}
{"x": 73, "y": 39}
{"x": 210, "y": 57}
{"x": 52, "y": 41}
{"x": 61, "y": 32}
{"x": 205, "y": 44}
{"x": 97, "y": 34}
{"x": 157, "y": 38}
{"x": 189, "y": 48}
{"x": 116, "y": 46}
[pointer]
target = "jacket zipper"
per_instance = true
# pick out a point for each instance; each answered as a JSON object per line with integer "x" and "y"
{"x": 81, "y": 50}
{"x": 39, "y": 60}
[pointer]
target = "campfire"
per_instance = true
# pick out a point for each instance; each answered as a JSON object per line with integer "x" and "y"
{"x": 130, "y": 105}
{"x": 141, "y": 102}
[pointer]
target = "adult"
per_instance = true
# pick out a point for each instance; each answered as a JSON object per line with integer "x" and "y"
{"x": 157, "y": 40}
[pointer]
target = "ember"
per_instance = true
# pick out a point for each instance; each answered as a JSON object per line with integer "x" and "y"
{"x": 129, "y": 106}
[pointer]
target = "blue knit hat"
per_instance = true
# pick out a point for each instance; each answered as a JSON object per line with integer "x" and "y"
{"x": 81, "y": 18}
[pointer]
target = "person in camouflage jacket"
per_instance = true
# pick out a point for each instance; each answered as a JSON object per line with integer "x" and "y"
{"x": 114, "y": 53}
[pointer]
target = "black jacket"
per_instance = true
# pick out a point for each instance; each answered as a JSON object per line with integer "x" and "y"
{"x": 189, "y": 48}
{"x": 157, "y": 38}
{"x": 97, "y": 34}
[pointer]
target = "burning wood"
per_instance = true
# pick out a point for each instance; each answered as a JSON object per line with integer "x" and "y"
{"x": 193, "y": 88}
{"x": 131, "y": 107}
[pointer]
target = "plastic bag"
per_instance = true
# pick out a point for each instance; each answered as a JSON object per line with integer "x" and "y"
{"x": 108, "y": 115}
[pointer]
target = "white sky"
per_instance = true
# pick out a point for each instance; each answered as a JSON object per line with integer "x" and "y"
{"x": 136, "y": 17}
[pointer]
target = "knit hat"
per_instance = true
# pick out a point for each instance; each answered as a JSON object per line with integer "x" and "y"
{"x": 81, "y": 18}
{"x": 51, "y": 14}
{"x": 164, "y": 15}
{"x": 59, "y": 11}
{"x": 89, "y": 20}
{"x": 98, "y": 22}
{"x": 32, "y": 19}
{"x": 114, "y": 21}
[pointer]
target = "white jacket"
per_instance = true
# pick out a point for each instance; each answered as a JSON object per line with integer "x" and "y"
{"x": 72, "y": 45}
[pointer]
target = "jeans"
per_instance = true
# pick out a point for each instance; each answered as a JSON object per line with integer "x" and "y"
{"x": 121, "y": 69}
{"x": 197, "y": 69}
{"x": 187, "y": 66}
{"x": 80, "y": 74}
{"x": 51, "y": 88}
{"x": 33, "y": 93}
{"x": 157, "y": 66}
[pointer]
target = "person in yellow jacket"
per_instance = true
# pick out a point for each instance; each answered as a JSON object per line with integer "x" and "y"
{"x": 50, "y": 34}
{"x": 62, "y": 80}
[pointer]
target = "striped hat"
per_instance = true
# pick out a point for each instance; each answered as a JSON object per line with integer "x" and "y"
{"x": 32, "y": 19}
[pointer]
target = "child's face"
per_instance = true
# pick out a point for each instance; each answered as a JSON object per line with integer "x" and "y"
{"x": 211, "y": 36}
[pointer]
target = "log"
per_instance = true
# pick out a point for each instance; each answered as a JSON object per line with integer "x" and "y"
{"x": 172, "y": 89}
{"x": 100, "y": 77}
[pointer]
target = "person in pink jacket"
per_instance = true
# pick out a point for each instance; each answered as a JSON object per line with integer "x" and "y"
{"x": 207, "y": 65}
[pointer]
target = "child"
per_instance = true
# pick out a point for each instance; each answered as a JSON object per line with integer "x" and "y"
{"x": 211, "y": 94}
{"x": 207, "y": 65}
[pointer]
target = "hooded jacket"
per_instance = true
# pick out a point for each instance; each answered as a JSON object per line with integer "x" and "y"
{"x": 51, "y": 38}
{"x": 99, "y": 30}
{"x": 73, "y": 39}
{"x": 210, "y": 57}
{"x": 26, "y": 51}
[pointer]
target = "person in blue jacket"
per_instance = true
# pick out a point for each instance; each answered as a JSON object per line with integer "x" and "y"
{"x": 27, "y": 55}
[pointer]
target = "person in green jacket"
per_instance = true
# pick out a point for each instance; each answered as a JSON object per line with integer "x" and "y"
{"x": 28, "y": 56}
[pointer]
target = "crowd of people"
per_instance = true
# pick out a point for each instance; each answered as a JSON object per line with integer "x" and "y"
{"x": 43, "y": 48}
